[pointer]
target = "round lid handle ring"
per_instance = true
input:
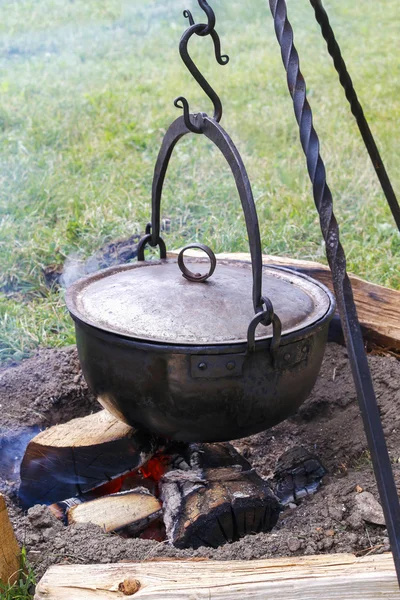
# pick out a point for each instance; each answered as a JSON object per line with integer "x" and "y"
{"x": 197, "y": 277}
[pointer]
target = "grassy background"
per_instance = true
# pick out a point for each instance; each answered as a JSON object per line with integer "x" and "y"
{"x": 87, "y": 89}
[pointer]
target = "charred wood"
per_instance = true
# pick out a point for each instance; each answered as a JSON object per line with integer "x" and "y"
{"x": 298, "y": 473}
{"x": 68, "y": 460}
{"x": 212, "y": 496}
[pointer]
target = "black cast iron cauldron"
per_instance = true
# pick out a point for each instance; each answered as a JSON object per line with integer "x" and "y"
{"x": 195, "y": 358}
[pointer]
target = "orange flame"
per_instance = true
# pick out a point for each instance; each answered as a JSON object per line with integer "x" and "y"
{"x": 155, "y": 467}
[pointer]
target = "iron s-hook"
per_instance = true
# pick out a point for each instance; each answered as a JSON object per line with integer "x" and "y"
{"x": 200, "y": 29}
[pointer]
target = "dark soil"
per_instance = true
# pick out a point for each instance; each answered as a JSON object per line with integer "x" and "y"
{"x": 49, "y": 389}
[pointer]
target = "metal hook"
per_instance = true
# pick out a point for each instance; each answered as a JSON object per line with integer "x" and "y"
{"x": 210, "y": 17}
{"x": 200, "y": 29}
{"x": 181, "y": 102}
{"x": 188, "y": 15}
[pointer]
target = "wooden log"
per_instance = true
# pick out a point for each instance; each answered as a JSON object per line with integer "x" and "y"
{"x": 67, "y": 460}
{"x": 298, "y": 473}
{"x": 130, "y": 512}
{"x": 215, "y": 497}
{"x": 323, "y": 577}
{"x": 9, "y": 549}
{"x": 378, "y": 307}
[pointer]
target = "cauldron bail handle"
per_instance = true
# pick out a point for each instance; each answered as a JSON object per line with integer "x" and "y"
{"x": 215, "y": 133}
{"x": 200, "y": 123}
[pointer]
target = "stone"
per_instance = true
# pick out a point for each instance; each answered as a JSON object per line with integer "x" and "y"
{"x": 328, "y": 543}
{"x": 370, "y": 509}
{"x": 336, "y": 513}
{"x": 40, "y": 517}
{"x": 294, "y": 544}
{"x": 355, "y": 520}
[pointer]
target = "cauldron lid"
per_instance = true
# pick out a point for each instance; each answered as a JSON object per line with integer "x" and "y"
{"x": 151, "y": 301}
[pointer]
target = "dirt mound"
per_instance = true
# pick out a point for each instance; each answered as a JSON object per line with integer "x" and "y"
{"x": 49, "y": 388}
{"x": 46, "y": 389}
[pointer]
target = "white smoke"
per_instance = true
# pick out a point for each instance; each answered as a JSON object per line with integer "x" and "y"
{"x": 74, "y": 268}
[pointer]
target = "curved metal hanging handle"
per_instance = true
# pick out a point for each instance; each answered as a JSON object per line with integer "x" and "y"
{"x": 214, "y": 132}
{"x": 201, "y": 29}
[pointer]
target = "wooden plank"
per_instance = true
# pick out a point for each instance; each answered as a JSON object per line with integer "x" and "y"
{"x": 378, "y": 307}
{"x": 9, "y": 549}
{"x": 323, "y": 577}
{"x": 67, "y": 460}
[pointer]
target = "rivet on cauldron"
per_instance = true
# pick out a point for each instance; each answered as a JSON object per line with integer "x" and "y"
{"x": 202, "y": 366}
{"x": 287, "y": 356}
{"x": 230, "y": 365}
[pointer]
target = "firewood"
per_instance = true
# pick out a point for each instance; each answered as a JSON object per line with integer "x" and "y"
{"x": 378, "y": 307}
{"x": 9, "y": 549}
{"x": 298, "y": 473}
{"x": 130, "y": 512}
{"x": 324, "y": 577}
{"x": 214, "y": 497}
{"x": 67, "y": 460}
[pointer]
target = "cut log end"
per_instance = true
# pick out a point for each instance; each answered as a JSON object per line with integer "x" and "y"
{"x": 68, "y": 460}
{"x": 209, "y": 505}
{"x": 130, "y": 512}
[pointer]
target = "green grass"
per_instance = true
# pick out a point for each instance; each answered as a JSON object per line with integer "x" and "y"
{"x": 23, "y": 588}
{"x": 86, "y": 94}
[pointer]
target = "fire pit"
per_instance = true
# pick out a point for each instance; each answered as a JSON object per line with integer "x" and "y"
{"x": 159, "y": 382}
{"x": 190, "y": 494}
{"x": 68, "y": 460}
{"x": 183, "y": 363}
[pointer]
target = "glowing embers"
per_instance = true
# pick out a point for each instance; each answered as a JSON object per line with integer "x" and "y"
{"x": 188, "y": 494}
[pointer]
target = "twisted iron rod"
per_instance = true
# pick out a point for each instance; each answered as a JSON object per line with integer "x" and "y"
{"x": 356, "y": 108}
{"x": 342, "y": 286}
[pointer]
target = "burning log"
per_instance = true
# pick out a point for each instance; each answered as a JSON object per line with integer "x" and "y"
{"x": 212, "y": 496}
{"x": 9, "y": 549}
{"x": 67, "y": 460}
{"x": 130, "y": 512}
{"x": 146, "y": 478}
